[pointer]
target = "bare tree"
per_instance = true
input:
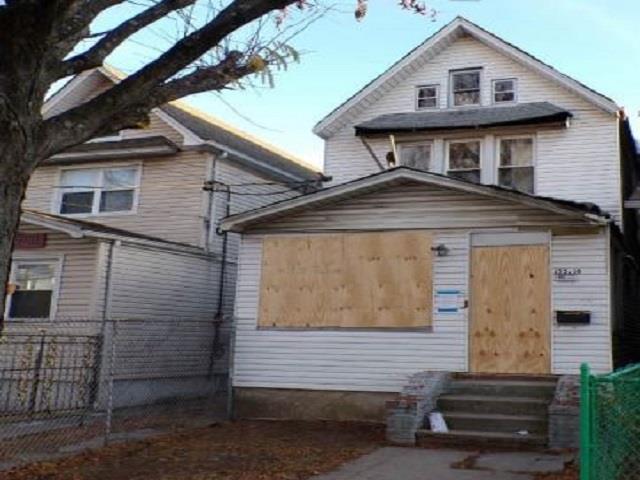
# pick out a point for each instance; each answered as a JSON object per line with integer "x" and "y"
{"x": 221, "y": 43}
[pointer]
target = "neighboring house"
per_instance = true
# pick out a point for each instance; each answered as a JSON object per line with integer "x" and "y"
{"x": 476, "y": 223}
{"x": 122, "y": 227}
{"x": 144, "y": 183}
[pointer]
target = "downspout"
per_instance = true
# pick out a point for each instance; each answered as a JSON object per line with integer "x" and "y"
{"x": 106, "y": 296}
{"x": 208, "y": 220}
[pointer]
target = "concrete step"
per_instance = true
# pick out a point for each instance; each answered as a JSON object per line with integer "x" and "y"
{"x": 507, "y": 405}
{"x": 480, "y": 438}
{"x": 496, "y": 422}
{"x": 512, "y": 388}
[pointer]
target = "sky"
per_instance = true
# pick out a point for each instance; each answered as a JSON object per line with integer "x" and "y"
{"x": 595, "y": 41}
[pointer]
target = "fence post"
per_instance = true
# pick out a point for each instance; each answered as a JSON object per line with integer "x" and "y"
{"x": 585, "y": 422}
{"x": 112, "y": 366}
{"x": 36, "y": 376}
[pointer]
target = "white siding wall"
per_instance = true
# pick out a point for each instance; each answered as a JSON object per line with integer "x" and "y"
{"x": 170, "y": 197}
{"x": 579, "y": 163}
{"x": 150, "y": 283}
{"x": 382, "y": 361}
{"x": 77, "y": 295}
{"x": 576, "y": 344}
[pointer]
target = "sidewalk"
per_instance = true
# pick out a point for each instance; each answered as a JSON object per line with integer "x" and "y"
{"x": 394, "y": 463}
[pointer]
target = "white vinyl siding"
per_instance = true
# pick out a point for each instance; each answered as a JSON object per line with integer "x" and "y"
{"x": 152, "y": 283}
{"x": 169, "y": 199}
{"x": 582, "y": 343}
{"x": 381, "y": 361}
{"x": 78, "y": 263}
{"x": 563, "y": 155}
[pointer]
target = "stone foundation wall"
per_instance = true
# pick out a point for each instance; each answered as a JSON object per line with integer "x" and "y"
{"x": 291, "y": 404}
{"x": 564, "y": 414}
{"x": 406, "y": 413}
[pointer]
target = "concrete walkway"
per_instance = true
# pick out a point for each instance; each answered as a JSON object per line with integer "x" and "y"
{"x": 395, "y": 463}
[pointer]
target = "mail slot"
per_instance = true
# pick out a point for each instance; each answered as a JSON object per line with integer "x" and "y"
{"x": 573, "y": 317}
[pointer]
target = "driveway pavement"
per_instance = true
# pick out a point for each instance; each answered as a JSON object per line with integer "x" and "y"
{"x": 396, "y": 463}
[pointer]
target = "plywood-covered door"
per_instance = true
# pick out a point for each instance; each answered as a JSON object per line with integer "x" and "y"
{"x": 510, "y": 309}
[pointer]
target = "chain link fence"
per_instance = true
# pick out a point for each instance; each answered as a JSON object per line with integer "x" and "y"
{"x": 610, "y": 425}
{"x": 66, "y": 386}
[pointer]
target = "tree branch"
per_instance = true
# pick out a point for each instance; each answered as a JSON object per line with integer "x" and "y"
{"x": 82, "y": 122}
{"x": 95, "y": 56}
{"x": 203, "y": 79}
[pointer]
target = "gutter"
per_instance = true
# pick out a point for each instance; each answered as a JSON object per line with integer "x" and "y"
{"x": 209, "y": 145}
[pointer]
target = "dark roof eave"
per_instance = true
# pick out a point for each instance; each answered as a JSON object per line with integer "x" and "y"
{"x": 553, "y": 119}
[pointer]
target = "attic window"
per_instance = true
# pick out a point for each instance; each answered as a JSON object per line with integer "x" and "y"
{"x": 504, "y": 91}
{"x": 426, "y": 96}
{"x": 465, "y": 87}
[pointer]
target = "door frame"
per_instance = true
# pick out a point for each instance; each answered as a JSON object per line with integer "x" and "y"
{"x": 509, "y": 238}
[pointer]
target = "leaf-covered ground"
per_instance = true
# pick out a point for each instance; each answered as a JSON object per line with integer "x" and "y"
{"x": 245, "y": 450}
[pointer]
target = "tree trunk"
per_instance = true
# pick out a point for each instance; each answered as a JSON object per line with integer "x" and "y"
{"x": 12, "y": 189}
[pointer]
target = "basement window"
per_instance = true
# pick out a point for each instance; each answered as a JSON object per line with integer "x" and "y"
{"x": 516, "y": 163}
{"x": 463, "y": 159}
{"x": 426, "y": 97}
{"x": 416, "y": 155}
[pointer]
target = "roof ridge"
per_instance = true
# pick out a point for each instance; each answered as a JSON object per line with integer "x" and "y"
{"x": 207, "y": 117}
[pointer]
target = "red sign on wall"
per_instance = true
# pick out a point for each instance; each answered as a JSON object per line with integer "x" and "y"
{"x": 28, "y": 241}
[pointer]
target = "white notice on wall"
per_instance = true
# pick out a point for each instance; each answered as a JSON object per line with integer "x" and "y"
{"x": 448, "y": 301}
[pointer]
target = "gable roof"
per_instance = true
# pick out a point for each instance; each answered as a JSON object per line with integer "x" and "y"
{"x": 201, "y": 129}
{"x": 209, "y": 128}
{"x": 588, "y": 212}
{"x": 431, "y": 47}
{"x": 521, "y": 114}
{"x": 81, "y": 228}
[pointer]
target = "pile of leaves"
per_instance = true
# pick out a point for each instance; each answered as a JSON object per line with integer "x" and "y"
{"x": 245, "y": 450}
{"x": 570, "y": 472}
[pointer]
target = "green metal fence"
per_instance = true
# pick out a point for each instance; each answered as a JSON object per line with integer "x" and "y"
{"x": 610, "y": 424}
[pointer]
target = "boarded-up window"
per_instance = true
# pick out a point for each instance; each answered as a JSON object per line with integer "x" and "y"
{"x": 347, "y": 280}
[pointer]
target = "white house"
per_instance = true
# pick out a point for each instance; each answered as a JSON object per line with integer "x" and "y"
{"x": 476, "y": 222}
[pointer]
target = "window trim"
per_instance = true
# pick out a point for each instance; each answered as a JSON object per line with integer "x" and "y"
{"x": 57, "y": 261}
{"x": 452, "y": 73}
{"x": 417, "y": 96}
{"x": 534, "y": 159}
{"x": 447, "y": 153}
{"x": 515, "y": 91}
{"x": 95, "y": 207}
{"x": 416, "y": 143}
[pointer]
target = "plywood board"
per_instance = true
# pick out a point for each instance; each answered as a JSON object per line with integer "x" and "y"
{"x": 510, "y": 309}
{"x": 360, "y": 280}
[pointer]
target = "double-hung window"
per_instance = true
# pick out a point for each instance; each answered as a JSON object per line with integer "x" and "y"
{"x": 463, "y": 159}
{"x": 33, "y": 283}
{"x": 465, "y": 87}
{"x": 416, "y": 155}
{"x": 516, "y": 163}
{"x": 504, "y": 91}
{"x": 426, "y": 97}
{"x": 92, "y": 191}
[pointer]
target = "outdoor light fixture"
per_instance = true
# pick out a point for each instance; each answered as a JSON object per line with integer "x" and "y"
{"x": 441, "y": 250}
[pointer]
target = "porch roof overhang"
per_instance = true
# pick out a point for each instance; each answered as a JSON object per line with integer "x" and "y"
{"x": 153, "y": 146}
{"x": 539, "y": 113}
{"x": 587, "y": 212}
{"x": 83, "y": 229}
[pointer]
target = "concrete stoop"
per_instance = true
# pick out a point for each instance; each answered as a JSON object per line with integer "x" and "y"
{"x": 498, "y": 410}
